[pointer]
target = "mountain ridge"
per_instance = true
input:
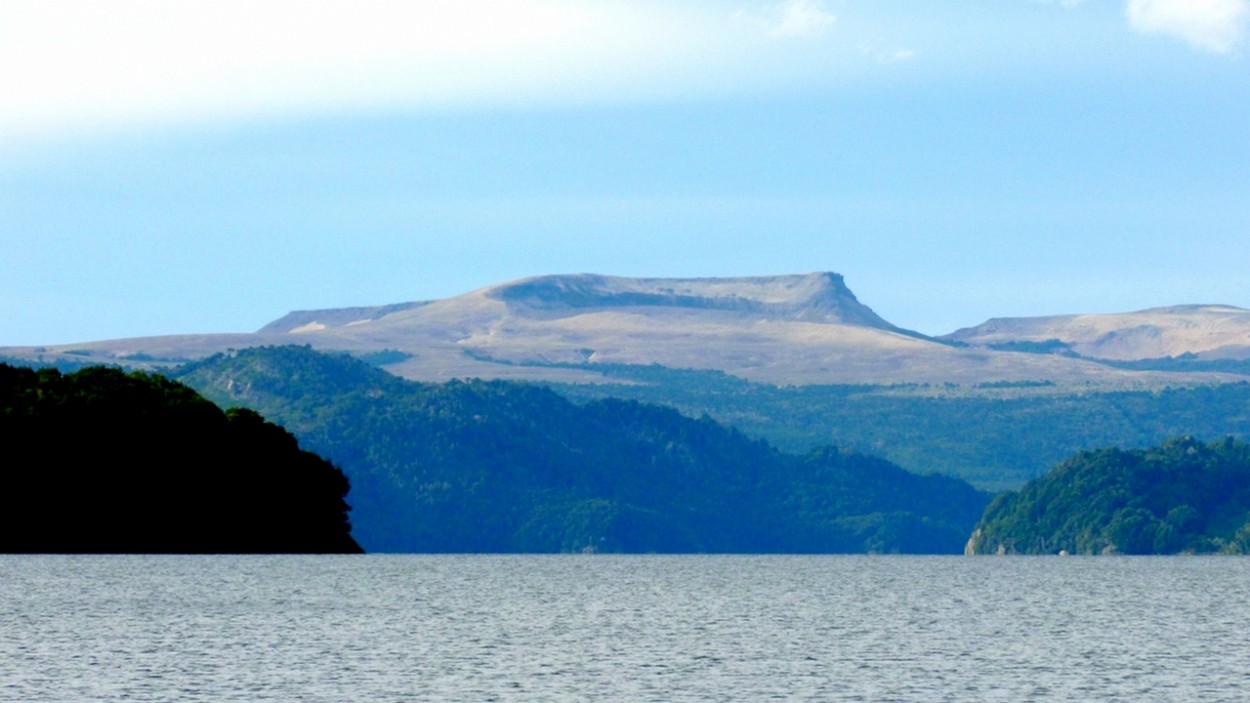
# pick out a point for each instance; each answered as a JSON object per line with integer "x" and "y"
{"x": 799, "y": 329}
{"x": 1206, "y": 331}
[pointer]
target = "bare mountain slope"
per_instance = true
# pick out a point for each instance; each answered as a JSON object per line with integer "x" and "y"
{"x": 1208, "y": 331}
{"x": 797, "y": 329}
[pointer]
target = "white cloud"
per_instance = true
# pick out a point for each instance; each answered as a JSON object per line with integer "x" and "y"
{"x": 1218, "y": 26}
{"x": 801, "y": 18}
{"x": 94, "y": 62}
{"x": 88, "y": 64}
{"x": 789, "y": 18}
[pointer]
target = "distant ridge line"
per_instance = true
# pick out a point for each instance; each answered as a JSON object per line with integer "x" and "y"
{"x": 335, "y": 316}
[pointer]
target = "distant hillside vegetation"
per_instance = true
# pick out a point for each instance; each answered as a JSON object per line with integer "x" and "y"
{"x": 503, "y": 467}
{"x": 997, "y": 436}
{"x": 1184, "y": 496}
{"x": 101, "y": 461}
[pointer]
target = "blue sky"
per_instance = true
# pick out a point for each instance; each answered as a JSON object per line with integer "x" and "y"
{"x": 205, "y": 167}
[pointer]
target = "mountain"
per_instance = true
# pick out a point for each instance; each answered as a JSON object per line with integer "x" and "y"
{"x": 505, "y": 467}
{"x": 797, "y": 329}
{"x": 1183, "y": 496}
{"x": 1206, "y": 332}
{"x": 797, "y": 360}
{"x": 100, "y": 461}
{"x": 817, "y": 297}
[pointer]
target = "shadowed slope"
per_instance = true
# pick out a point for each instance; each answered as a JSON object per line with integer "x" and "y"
{"x": 496, "y": 467}
{"x": 106, "y": 462}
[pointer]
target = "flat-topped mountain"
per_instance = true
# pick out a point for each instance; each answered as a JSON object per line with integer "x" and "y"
{"x": 794, "y": 329}
{"x": 814, "y": 297}
{"x": 1206, "y": 331}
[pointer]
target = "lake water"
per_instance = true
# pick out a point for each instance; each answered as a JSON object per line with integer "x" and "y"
{"x": 624, "y": 628}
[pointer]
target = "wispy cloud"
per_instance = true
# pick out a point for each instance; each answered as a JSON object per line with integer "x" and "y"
{"x": 800, "y": 18}
{"x": 91, "y": 62}
{"x": 789, "y": 18}
{"x": 786, "y": 19}
{"x": 884, "y": 55}
{"x": 85, "y": 64}
{"x": 75, "y": 65}
{"x": 1217, "y": 26}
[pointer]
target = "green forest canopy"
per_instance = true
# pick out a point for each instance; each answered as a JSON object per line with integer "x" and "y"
{"x": 996, "y": 436}
{"x": 1184, "y": 496}
{"x": 503, "y": 467}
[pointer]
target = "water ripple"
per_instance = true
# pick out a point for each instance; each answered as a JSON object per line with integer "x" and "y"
{"x": 621, "y": 628}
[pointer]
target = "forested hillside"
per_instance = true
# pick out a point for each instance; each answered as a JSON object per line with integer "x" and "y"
{"x": 998, "y": 436}
{"x": 500, "y": 467}
{"x": 101, "y": 461}
{"x": 1183, "y": 496}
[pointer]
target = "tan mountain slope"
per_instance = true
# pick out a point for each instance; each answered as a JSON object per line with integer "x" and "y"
{"x": 1208, "y": 331}
{"x": 798, "y": 329}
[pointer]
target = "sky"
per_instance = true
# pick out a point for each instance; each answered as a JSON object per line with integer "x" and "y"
{"x": 170, "y": 168}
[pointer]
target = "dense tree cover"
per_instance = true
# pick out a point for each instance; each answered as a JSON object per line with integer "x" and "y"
{"x": 504, "y": 467}
{"x": 997, "y": 436}
{"x": 1182, "y": 496}
{"x": 102, "y": 461}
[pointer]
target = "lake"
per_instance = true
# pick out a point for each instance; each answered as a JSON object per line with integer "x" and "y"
{"x": 624, "y": 628}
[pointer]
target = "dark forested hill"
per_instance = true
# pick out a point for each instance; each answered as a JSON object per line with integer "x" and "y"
{"x": 1183, "y": 496}
{"x": 101, "y": 461}
{"x": 501, "y": 467}
{"x": 996, "y": 435}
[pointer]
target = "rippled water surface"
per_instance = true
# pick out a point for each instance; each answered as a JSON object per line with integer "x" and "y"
{"x": 609, "y": 628}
